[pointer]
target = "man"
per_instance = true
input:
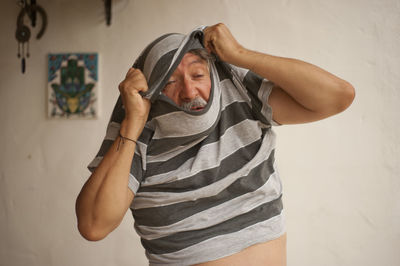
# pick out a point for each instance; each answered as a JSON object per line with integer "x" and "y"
{"x": 197, "y": 168}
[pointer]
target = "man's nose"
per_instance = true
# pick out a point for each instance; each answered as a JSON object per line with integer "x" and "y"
{"x": 188, "y": 91}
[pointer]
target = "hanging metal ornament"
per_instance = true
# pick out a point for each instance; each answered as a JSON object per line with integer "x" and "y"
{"x": 23, "y": 33}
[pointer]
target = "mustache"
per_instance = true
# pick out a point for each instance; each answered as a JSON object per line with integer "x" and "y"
{"x": 197, "y": 102}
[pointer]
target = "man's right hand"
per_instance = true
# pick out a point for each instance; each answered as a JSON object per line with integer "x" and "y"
{"x": 136, "y": 107}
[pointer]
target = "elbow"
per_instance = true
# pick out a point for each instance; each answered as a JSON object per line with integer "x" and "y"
{"x": 349, "y": 94}
{"x": 345, "y": 96}
{"x": 91, "y": 233}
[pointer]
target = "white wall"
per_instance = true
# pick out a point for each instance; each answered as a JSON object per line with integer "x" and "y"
{"x": 341, "y": 175}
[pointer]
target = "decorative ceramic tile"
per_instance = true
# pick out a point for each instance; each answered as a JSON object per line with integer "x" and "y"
{"x": 72, "y": 85}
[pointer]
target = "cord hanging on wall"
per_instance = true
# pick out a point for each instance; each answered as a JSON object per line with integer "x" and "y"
{"x": 23, "y": 32}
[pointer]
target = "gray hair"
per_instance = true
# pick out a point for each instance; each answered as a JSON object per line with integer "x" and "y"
{"x": 203, "y": 54}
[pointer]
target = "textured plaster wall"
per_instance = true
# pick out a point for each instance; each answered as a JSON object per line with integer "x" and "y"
{"x": 341, "y": 175}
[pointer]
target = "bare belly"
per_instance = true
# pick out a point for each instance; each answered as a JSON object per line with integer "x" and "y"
{"x": 271, "y": 253}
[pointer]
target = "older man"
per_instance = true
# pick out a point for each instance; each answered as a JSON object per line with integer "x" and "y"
{"x": 191, "y": 152}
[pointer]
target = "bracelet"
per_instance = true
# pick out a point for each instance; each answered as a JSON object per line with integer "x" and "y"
{"x": 122, "y": 139}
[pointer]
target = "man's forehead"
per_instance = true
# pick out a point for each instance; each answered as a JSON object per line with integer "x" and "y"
{"x": 192, "y": 60}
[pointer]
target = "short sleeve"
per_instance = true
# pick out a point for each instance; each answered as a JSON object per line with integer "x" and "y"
{"x": 136, "y": 172}
{"x": 258, "y": 89}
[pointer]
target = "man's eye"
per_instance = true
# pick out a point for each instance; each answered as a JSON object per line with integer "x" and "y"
{"x": 170, "y": 82}
{"x": 198, "y": 75}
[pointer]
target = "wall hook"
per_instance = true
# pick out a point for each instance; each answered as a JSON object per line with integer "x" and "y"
{"x": 23, "y": 32}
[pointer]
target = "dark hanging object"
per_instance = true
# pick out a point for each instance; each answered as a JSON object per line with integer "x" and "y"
{"x": 107, "y": 7}
{"x": 23, "y": 33}
{"x": 32, "y": 14}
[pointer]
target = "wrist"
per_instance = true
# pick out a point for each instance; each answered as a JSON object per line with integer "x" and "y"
{"x": 129, "y": 129}
{"x": 247, "y": 59}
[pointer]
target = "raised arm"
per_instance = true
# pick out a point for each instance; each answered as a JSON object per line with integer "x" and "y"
{"x": 105, "y": 197}
{"x": 302, "y": 92}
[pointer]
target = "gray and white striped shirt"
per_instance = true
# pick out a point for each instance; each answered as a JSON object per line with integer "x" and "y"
{"x": 205, "y": 183}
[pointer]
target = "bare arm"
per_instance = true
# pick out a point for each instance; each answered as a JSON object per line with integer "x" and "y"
{"x": 105, "y": 197}
{"x": 303, "y": 92}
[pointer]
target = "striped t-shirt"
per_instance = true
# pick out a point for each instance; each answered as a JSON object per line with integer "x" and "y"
{"x": 205, "y": 188}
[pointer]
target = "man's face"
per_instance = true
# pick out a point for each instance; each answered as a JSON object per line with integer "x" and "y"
{"x": 189, "y": 86}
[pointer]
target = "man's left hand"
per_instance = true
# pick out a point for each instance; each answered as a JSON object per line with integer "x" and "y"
{"x": 219, "y": 40}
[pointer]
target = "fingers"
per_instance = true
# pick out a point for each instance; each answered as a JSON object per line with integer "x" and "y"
{"x": 136, "y": 107}
{"x": 134, "y": 82}
{"x": 219, "y": 40}
{"x": 210, "y": 36}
